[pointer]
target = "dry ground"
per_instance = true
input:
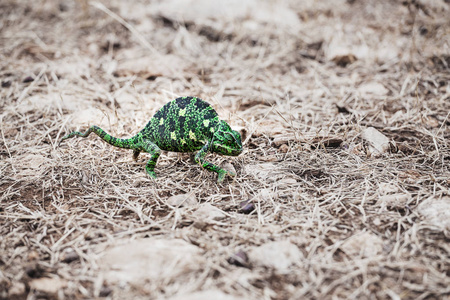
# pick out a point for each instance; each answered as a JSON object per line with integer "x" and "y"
{"x": 313, "y": 213}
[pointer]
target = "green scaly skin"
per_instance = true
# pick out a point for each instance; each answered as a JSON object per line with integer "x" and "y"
{"x": 186, "y": 124}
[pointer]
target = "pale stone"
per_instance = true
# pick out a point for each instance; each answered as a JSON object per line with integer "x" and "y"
{"x": 364, "y": 244}
{"x": 182, "y": 200}
{"x": 266, "y": 194}
{"x": 378, "y": 142}
{"x": 208, "y": 212}
{"x": 263, "y": 171}
{"x": 33, "y": 161}
{"x": 279, "y": 255}
{"x": 398, "y": 200}
{"x": 436, "y": 212}
{"x": 276, "y": 15}
{"x": 48, "y": 285}
{"x": 150, "y": 259}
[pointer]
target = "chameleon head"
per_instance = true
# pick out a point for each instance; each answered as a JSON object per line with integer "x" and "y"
{"x": 226, "y": 141}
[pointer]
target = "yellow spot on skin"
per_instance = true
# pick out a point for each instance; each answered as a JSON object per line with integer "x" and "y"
{"x": 192, "y": 135}
{"x": 183, "y": 141}
{"x": 182, "y": 112}
{"x": 206, "y": 123}
{"x": 173, "y": 135}
{"x": 161, "y": 121}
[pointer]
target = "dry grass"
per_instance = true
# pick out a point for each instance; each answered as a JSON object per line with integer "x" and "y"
{"x": 291, "y": 76}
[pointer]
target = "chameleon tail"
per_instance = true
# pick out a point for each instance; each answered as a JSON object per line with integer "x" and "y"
{"x": 121, "y": 143}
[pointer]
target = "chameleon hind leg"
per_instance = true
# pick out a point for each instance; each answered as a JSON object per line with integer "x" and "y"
{"x": 154, "y": 151}
{"x": 200, "y": 159}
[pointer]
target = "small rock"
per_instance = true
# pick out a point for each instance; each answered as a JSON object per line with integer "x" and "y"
{"x": 69, "y": 255}
{"x": 182, "y": 200}
{"x": 342, "y": 109}
{"x": 385, "y": 188}
{"x": 364, "y": 244}
{"x": 239, "y": 259}
{"x": 48, "y": 285}
{"x": 377, "y": 222}
{"x": 263, "y": 171}
{"x": 207, "y": 212}
{"x": 247, "y": 206}
{"x": 105, "y": 291}
{"x": 391, "y": 195}
{"x": 28, "y": 79}
{"x": 436, "y": 212}
{"x": 378, "y": 142}
{"x": 147, "y": 260}
{"x": 344, "y": 60}
{"x": 6, "y": 84}
{"x": 276, "y": 255}
{"x": 398, "y": 200}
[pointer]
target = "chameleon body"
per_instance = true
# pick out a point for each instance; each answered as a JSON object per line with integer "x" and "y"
{"x": 186, "y": 124}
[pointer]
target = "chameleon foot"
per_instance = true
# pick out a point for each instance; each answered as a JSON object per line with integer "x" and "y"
{"x": 152, "y": 174}
{"x": 222, "y": 173}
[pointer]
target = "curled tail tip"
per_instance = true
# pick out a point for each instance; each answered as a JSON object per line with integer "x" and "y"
{"x": 67, "y": 136}
{"x": 61, "y": 140}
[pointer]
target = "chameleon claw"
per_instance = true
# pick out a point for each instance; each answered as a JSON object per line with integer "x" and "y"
{"x": 232, "y": 174}
{"x": 222, "y": 174}
{"x": 152, "y": 174}
{"x": 221, "y": 177}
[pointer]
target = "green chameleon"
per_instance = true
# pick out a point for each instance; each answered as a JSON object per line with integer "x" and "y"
{"x": 186, "y": 124}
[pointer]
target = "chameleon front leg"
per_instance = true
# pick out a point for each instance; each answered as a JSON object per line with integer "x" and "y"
{"x": 200, "y": 159}
{"x": 154, "y": 151}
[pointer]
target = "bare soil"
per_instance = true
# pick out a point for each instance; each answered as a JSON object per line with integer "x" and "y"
{"x": 315, "y": 211}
